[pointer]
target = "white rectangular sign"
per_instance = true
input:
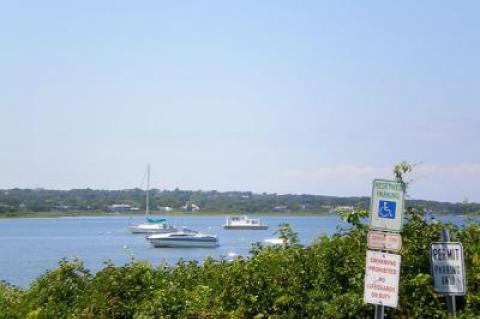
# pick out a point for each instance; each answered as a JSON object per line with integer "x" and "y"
{"x": 382, "y": 276}
{"x": 448, "y": 268}
{"x": 384, "y": 240}
{"x": 386, "y": 206}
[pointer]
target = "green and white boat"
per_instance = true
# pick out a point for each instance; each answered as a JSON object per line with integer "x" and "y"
{"x": 152, "y": 225}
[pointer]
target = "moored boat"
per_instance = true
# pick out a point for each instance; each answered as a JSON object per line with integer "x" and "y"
{"x": 182, "y": 239}
{"x": 152, "y": 228}
{"x": 243, "y": 222}
{"x": 275, "y": 241}
{"x": 152, "y": 225}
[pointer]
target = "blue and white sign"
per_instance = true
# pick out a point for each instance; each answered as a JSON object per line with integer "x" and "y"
{"x": 387, "y": 204}
{"x": 386, "y": 209}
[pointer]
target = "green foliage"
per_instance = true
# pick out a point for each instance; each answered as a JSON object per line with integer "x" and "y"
{"x": 402, "y": 168}
{"x": 286, "y": 233}
{"x": 10, "y": 302}
{"x": 322, "y": 280}
{"x": 23, "y": 201}
{"x": 354, "y": 217}
{"x": 115, "y": 292}
{"x": 53, "y": 294}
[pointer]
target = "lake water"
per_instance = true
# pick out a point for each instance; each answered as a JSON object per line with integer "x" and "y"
{"x": 30, "y": 246}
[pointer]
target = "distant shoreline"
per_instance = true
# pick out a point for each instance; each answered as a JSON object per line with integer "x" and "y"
{"x": 87, "y": 202}
{"x": 55, "y": 214}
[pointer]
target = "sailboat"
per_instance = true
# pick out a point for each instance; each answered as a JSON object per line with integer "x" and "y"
{"x": 152, "y": 225}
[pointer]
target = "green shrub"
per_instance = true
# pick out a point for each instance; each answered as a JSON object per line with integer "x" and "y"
{"x": 10, "y": 302}
{"x": 54, "y": 294}
{"x": 322, "y": 280}
{"x": 116, "y": 292}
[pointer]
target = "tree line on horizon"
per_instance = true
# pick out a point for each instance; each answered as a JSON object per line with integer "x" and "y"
{"x": 42, "y": 200}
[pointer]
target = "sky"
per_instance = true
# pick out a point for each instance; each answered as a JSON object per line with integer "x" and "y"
{"x": 316, "y": 97}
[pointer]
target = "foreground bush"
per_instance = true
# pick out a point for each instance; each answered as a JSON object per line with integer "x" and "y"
{"x": 323, "y": 280}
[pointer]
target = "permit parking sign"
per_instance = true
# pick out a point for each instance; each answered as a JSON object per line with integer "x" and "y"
{"x": 387, "y": 204}
{"x": 448, "y": 268}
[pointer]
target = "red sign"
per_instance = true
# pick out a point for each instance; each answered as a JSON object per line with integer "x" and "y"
{"x": 384, "y": 240}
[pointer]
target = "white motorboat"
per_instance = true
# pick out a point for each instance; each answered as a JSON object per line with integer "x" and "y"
{"x": 243, "y": 222}
{"x": 274, "y": 241}
{"x": 152, "y": 225}
{"x": 183, "y": 238}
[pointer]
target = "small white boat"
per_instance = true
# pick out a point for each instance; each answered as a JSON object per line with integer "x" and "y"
{"x": 274, "y": 241}
{"x": 243, "y": 222}
{"x": 183, "y": 238}
{"x": 151, "y": 228}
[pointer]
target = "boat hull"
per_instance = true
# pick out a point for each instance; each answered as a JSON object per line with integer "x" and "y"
{"x": 176, "y": 243}
{"x": 139, "y": 229}
{"x": 250, "y": 227}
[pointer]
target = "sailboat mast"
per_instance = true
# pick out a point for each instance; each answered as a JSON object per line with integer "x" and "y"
{"x": 147, "y": 208}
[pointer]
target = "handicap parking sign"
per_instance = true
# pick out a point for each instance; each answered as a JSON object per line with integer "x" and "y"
{"x": 386, "y": 209}
{"x": 387, "y": 204}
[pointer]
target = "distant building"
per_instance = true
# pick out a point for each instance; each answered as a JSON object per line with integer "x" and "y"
{"x": 281, "y": 208}
{"x": 344, "y": 208}
{"x": 165, "y": 208}
{"x": 191, "y": 207}
{"x": 120, "y": 208}
{"x": 61, "y": 208}
{"x": 305, "y": 207}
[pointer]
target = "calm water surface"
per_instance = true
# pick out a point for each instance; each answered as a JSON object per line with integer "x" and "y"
{"x": 30, "y": 246}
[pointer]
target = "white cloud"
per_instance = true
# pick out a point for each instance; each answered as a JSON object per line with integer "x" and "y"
{"x": 349, "y": 171}
{"x": 352, "y": 171}
{"x": 448, "y": 182}
{"x": 457, "y": 171}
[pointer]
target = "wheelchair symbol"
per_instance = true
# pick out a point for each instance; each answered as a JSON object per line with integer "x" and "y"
{"x": 386, "y": 209}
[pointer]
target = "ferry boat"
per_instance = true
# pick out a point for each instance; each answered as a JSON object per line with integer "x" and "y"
{"x": 243, "y": 222}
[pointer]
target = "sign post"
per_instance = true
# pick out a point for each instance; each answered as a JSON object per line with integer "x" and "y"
{"x": 382, "y": 273}
{"x": 448, "y": 268}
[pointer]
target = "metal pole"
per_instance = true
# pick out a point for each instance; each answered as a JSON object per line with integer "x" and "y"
{"x": 147, "y": 199}
{"x": 379, "y": 311}
{"x": 451, "y": 305}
